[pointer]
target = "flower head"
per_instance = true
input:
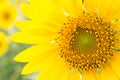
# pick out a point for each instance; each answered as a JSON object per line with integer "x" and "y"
{"x": 8, "y": 15}
{"x": 75, "y": 39}
{"x": 3, "y": 1}
{"x": 4, "y": 43}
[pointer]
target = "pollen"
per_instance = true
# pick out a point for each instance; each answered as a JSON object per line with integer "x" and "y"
{"x": 86, "y": 42}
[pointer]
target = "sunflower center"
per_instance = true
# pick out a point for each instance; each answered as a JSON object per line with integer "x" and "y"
{"x": 6, "y": 16}
{"x": 86, "y": 42}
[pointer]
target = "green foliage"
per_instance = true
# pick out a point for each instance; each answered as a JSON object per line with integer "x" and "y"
{"x": 10, "y": 69}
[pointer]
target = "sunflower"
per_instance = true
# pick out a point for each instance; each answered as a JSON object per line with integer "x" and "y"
{"x": 4, "y": 43}
{"x": 8, "y": 15}
{"x": 3, "y": 1}
{"x": 74, "y": 39}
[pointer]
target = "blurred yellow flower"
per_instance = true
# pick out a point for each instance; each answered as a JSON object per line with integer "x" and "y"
{"x": 75, "y": 39}
{"x": 4, "y": 43}
{"x": 3, "y": 1}
{"x": 8, "y": 15}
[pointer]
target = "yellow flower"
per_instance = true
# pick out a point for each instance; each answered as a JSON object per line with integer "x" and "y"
{"x": 8, "y": 15}
{"x": 4, "y": 43}
{"x": 75, "y": 39}
{"x": 3, "y": 1}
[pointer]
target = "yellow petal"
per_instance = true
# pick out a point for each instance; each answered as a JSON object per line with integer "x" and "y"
{"x": 107, "y": 74}
{"x": 33, "y": 52}
{"x": 3, "y": 1}
{"x": 77, "y": 5}
{"x": 71, "y": 8}
{"x": 63, "y": 75}
{"x": 50, "y": 13}
{"x": 104, "y": 7}
{"x": 24, "y": 37}
{"x": 109, "y": 9}
{"x": 90, "y": 75}
{"x": 116, "y": 26}
{"x": 90, "y": 5}
{"x": 53, "y": 73}
{"x": 42, "y": 63}
{"x": 75, "y": 75}
{"x": 42, "y": 28}
{"x": 115, "y": 65}
{"x": 117, "y": 36}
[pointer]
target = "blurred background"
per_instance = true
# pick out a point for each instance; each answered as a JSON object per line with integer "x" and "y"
{"x": 9, "y": 14}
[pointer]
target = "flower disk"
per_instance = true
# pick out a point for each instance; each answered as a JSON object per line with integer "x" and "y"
{"x": 86, "y": 42}
{"x": 7, "y": 16}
